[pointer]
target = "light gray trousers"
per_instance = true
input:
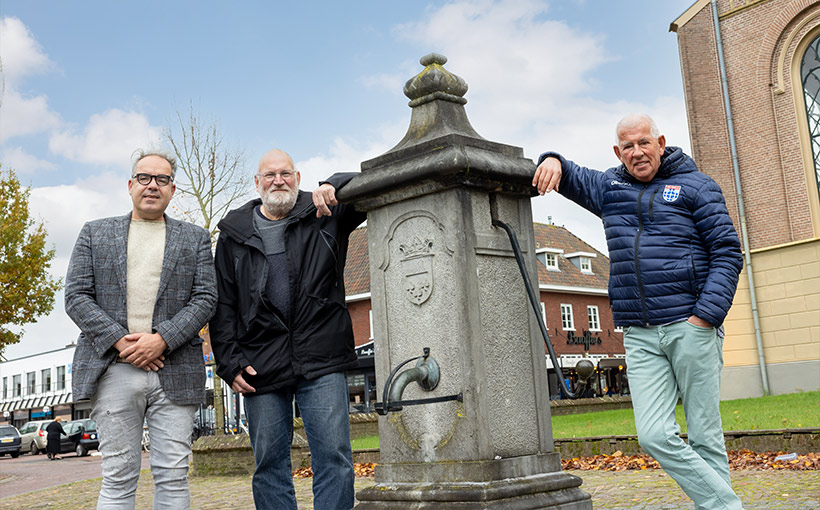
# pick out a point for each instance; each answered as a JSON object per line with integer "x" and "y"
{"x": 126, "y": 397}
{"x": 660, "y": 362}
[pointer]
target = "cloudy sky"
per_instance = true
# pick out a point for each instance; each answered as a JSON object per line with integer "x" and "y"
{"x": 84, "y": 83}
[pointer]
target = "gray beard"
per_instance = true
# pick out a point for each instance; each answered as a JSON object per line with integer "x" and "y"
{"x": 276, "y": 205}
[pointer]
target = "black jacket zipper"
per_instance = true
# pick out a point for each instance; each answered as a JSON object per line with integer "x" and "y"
{"x": 637, "y": 262}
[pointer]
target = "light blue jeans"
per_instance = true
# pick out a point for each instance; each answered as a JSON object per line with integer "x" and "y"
{"x": 127, "y": 395}
{"x": 662, "y": 361}
{"x": 323, "y": 404}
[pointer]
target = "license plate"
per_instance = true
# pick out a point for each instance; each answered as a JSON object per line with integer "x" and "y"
{"x": 7, "y": 440}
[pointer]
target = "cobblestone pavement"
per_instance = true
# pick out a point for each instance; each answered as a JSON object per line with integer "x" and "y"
{"x": 632, "y": 490}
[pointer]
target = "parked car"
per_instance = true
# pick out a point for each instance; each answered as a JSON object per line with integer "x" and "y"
{"x": 10, "y": 441}
{"x": 33, "y": 436}
{"x": 83, "y": 436}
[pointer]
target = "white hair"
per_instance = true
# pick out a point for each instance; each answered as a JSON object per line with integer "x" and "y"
{"x": 635, "y": 119}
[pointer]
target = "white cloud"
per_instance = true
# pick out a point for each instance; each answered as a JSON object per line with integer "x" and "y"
{"x": 20, "y": 53}
{"x": 109, "y": 138}
{"x": 50, "y": 332}
{"x": 532, "y": 84}
{"x": 66, "y": 208}
{"x": 23, "y": 162}
{"x": 346, "y": 155}
{"x": 519, "y": 64}
{"x": 21, "y": 116}
{"x": 20, "y": 56}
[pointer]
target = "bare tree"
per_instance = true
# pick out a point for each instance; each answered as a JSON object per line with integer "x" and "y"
{"x": 213, "y": 174}
{"x": 213, "y": 178}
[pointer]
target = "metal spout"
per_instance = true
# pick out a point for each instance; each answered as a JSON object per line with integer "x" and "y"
{"x": 425, "y": 373}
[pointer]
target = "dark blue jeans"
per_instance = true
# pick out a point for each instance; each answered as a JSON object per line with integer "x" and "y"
{"x": 323, "y": 404}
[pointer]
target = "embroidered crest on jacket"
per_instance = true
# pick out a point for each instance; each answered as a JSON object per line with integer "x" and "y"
{"x": 671, "y": 193}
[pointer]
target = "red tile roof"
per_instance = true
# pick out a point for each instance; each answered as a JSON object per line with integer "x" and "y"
{"x": 357, "y": 270}
{"x": 553, "y": 236}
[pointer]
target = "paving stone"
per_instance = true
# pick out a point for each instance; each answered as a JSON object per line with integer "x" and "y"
{"x": 624, "y": 490}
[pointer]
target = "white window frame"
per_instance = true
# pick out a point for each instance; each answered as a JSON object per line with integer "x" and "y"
{"x": 567, "y": 318}
{"x": 45, "y": 379}
{"x": 31, "y": 383}
{"x": 17, "y": 385}
{"x": 550, "y": 259}
{"x": 60, "y": 380}
{"x": 370, "y": 315}
{"x": 586, "y": 265}
{"x": 544, "y": 314}
{"x": 593, "y": 318}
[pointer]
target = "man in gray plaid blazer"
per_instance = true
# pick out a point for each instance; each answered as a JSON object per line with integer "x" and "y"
{"x": 141, "y": 287}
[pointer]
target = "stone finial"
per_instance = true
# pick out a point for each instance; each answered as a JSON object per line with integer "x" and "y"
{"x": 435, "y": 82}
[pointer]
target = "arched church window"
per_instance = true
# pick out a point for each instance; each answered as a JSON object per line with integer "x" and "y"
{"x": 810, "y": 75}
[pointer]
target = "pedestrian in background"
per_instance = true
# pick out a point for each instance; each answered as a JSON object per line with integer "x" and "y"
{"x": 53, "y": 432}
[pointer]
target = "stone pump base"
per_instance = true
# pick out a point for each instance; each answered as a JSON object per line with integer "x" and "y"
{"x": 519, "y": 483}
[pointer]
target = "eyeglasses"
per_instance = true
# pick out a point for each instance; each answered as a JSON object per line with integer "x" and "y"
{"x": 271, "y": 176}
{"x": 145, "y": 179}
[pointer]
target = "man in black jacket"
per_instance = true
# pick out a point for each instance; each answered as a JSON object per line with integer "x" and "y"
{"x": 282, "y": 331}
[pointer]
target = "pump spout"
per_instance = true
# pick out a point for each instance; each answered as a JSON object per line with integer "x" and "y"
{"x": 425, "y": 373}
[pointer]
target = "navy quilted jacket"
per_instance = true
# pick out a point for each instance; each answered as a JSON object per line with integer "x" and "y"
{"x": 673, "y": 248}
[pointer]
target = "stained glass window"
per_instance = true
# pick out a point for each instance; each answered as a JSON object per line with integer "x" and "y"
{"x": 810, "y": 74}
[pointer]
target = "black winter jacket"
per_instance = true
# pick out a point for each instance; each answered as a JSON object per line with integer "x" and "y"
{"x": 317, "y": 337}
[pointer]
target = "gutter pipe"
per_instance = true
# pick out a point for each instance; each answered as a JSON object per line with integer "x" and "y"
{"x": 744, "y": 232}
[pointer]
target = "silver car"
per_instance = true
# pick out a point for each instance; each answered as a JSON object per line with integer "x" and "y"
{"x": 33, "y": 436}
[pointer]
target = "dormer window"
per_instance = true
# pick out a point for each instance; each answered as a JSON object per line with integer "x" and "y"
{"x": 549, "y": 257}
{"x": 582, "y": 260}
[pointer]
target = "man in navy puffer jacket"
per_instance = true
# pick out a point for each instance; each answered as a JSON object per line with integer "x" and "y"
{"x": 674, "y": 265}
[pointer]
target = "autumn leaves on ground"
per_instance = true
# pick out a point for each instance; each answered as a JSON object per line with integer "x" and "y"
{"x": 744, "y": 459}
{"x": 788, "y": 411}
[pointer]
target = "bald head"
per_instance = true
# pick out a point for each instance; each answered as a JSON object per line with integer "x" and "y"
{"x": 275, "y": 157}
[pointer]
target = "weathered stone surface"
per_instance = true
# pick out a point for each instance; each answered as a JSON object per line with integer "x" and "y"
{"x": 442, "y": 276}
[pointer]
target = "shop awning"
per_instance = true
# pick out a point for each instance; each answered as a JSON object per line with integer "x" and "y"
{"x": 611, "y": 363}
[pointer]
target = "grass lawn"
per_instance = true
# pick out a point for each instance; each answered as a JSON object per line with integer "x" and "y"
{"x": 795, "y": 410}
{"x": 776, "y": 412}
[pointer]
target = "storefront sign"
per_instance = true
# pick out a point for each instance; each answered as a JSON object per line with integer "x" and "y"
{"x": 586, "y": 340}
{"x": 365, "y": 350}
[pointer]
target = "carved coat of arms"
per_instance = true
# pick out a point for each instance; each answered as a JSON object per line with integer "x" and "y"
{"x": 417, "y": 266}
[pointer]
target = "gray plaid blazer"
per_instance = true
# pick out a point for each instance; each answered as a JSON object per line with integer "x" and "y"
{"x": 95, "y": 295}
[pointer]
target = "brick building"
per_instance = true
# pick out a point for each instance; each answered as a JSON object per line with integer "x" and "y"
{"x": 771, "y": 65}
{"x": 572, "y": 278}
